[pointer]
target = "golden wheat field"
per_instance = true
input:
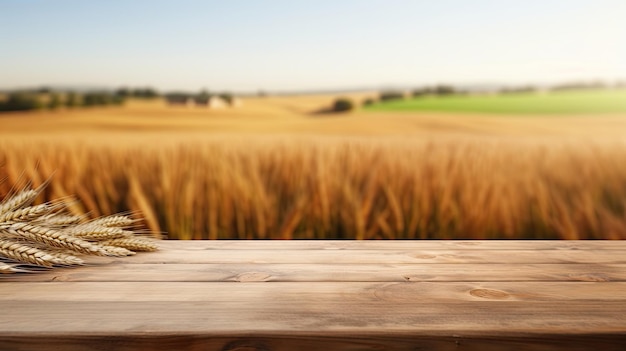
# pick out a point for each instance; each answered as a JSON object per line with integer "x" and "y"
{"x": 274, "y": 169}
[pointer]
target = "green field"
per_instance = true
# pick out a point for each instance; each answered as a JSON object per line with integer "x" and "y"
{"x": 570, "y": 102}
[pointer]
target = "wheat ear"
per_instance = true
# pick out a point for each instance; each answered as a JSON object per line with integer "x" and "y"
{"x": 55, "y": 238}
{"x": 131, "y": 243}
{"x": 21, "y": 199}
{"x": 117, "y": 251}
{"x": 26, "y": 213}
{"x": 90, "y": 231}
{"x": 55, "y": 219}
{"x": 40, "y": 235}
{"x": 66, "y": 259}
{"x": 113, "y": 221}
{"x": 18, "y": 251}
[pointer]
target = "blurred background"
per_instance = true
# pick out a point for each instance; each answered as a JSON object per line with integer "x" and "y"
{"x": 346, "y": 119}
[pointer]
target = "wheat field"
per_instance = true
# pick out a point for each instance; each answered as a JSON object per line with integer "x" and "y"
{"x": 272, "y": 170}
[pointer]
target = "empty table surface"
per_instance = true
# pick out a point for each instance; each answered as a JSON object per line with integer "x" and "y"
{"x": 327, "y": 295}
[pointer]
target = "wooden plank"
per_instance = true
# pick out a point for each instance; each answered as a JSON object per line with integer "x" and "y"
{"x": 375, "y": 256}
{"x": 452, "y": 272}
{"x": 394, "y": 244}
{"x": 301, "y": 314}
{"x": 278, "y": 293}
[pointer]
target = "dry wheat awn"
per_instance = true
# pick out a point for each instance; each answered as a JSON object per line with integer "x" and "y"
{"x": 41, "y": 235}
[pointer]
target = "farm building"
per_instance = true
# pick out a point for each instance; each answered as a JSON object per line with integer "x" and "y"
{"x": 212, "y": 102}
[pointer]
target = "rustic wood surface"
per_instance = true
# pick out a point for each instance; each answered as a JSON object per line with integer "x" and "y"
{"x": 327, "y": 295}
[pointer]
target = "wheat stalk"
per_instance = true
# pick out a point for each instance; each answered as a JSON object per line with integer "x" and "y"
{"x": 41, "y": 236}
{"x": 8, "y": 268}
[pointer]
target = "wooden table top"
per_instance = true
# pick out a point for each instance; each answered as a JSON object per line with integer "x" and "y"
{"x": 327, "y": 295}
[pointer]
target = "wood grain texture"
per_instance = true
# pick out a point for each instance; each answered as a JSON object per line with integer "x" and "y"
{"x": 477, "y": 317}
{"x": 372, "y": 256}
{"x": 406, "y": 293}
{"x": 449, "y": 272}
{"x": 443, "y": 295}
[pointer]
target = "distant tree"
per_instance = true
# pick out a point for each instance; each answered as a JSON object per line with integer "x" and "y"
{"x": 106, "y": 99}
{"x": 179, "y": 97}
{"x": 150, "y": 93}
{"x": 55, "y": 102}
{"x": 419, "y": 92}
{"x": 117, "y": 100}
{"x": 390, "y": 95}
{"x": 369, "y": 102}
{"x": 138, "y": 93}
{"x": 89, "y": 100}
{"x": 20, "y": 101}
{"x": 122, "y": 92}
{"x": 179, "y": 94}
{"x": 71, "y": 100}
{"x": 145, "y": 93}
{"x": 518, "y": 89}
{"x": 343, "y": 105}
{"x": 597, "y": 84}
{"x": 97, "y": 99}
{"x": 227, "y": 97}
{"x": 44, "y": 90}
{"x": 200, "y": 98}
{"x": 443, "y": 90}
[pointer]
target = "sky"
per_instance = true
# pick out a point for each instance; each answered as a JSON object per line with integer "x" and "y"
{"x": 246, "y": 45}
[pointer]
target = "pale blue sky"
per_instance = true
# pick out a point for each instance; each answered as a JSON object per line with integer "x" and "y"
{"x": 245, "y": 45}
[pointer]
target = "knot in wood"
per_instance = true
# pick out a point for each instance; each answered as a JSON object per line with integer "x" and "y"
{"x": 590, "y": 277}
{"x": 491, "y": 294}
{"x": 252, "y": 277}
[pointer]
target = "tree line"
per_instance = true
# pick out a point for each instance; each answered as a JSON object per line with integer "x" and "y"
{"x": 46, "y": 98}
{"x": 202, "y": 96}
